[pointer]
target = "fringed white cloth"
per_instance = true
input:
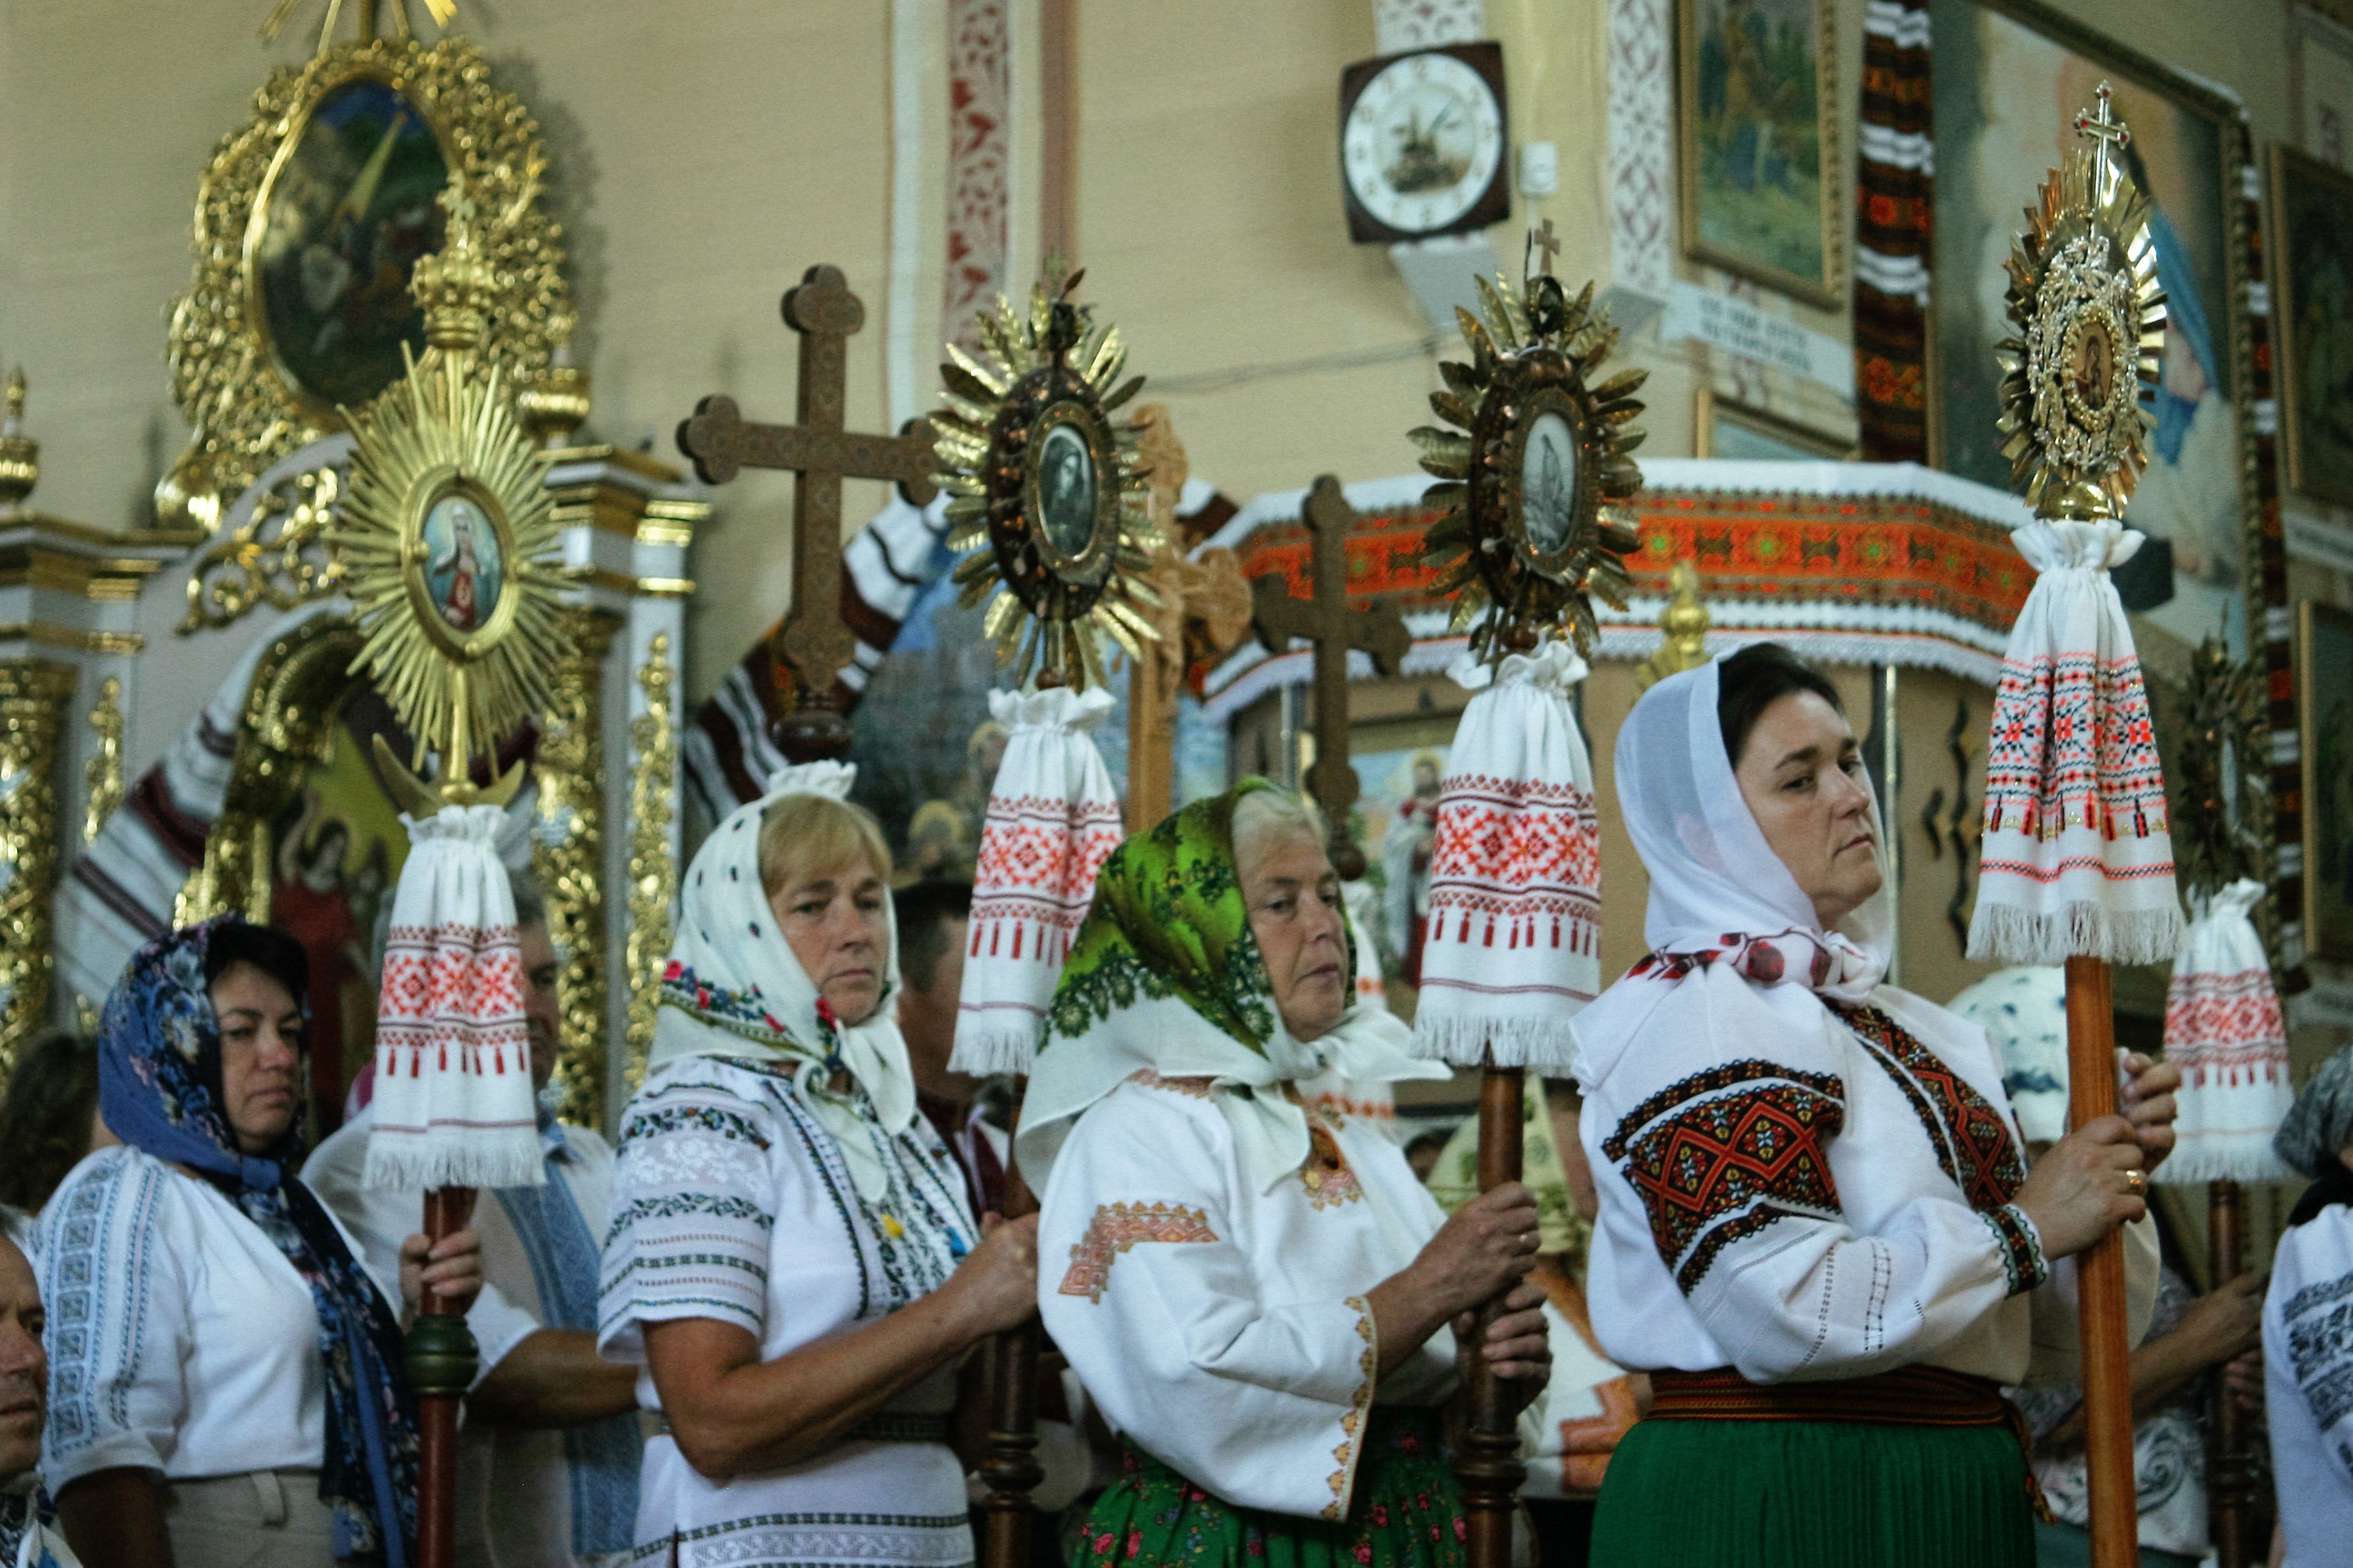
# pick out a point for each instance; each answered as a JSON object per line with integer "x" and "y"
{"x": 1514, "y": 948}
{"x": 2076, "y": 859}
{"x": 1053, "y": 820}
{"x": 453, "y": 1102}
{"x": 2224, "y": 1030}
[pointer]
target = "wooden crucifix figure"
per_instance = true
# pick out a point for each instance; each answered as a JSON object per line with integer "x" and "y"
{"x": 812, "y": 642}
{"x": 1326, "y": 621}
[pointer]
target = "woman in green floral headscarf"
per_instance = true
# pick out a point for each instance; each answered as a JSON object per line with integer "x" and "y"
{"x": 1257, "y": 1294}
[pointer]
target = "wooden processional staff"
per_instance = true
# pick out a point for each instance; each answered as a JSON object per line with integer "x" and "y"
{"x": 1534, "y": 480}
{"x": 813, "y": 641}
{"x": 447, "y": 544}
{"x": 1327, "y": 623}
{"x": 1057, "y": 491}
{"x": 2076, "y": 858}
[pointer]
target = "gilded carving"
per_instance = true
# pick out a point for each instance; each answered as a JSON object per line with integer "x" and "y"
{"x": 653, "y": 866}
{"x": 103, "y": 774}
{"x": 33, "y": 694}
{"x": 279, "y": 557}
{"x": 288, "y": 322}
{"x": 568, "y": 860}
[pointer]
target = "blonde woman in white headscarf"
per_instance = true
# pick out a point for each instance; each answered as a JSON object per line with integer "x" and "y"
{"x": 793, "y": 1259}
{"x": 1817, "y": 1233}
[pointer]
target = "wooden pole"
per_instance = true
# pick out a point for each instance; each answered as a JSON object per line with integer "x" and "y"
{"x": 1488, "y": 1464}
{"x": 2229, "y": 1473}
{"x": 1011, "y": 1468}
{"x": 2100, "y": 1277}
{"x": 440, "y": 1357}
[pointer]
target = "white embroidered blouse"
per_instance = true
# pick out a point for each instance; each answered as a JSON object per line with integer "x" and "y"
{"x": 1839, "y": 1207}
{"x": 2309, "y": 1384}
{"x": 1221, "y": 1327}
{"x": 730, "y": 1202}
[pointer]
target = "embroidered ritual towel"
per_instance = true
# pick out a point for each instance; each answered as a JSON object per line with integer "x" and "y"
{"x": 1514, "y": 946}
{"x": 1053, "y": 820}
{"x": 2223, "y": 1029}
{"x": 2076, "y": 859}
{"x": 454, "y": 1100}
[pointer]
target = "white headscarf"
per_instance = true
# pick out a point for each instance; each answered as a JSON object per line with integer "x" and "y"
{"x": 1723, "y": 908}
{"x": 732, "y": 988}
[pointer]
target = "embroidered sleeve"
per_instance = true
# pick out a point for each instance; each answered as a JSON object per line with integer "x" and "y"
{"x": 1726, "y": 1178}
{"x": 1724, "y": 1154}
{"x": 693, "y": 1202}
{"x": 2022, "y": 1262}
{"x": 118, "y": 1323}
{"x": 2316, "y": 1326}
{"x": 1165, "y": 1314}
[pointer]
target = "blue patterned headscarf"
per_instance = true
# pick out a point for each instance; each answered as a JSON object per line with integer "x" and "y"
{"x": 159, "y": 1080}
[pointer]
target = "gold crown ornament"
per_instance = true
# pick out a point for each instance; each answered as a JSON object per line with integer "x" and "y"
{"x": 1041, "y": 475}
{"x": 449, "y": 535}
{"x": 2090, "y": 340}
{"x": 1536, "y": 474}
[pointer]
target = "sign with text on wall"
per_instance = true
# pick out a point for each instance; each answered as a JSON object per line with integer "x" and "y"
{"x": 1738, "y": 327}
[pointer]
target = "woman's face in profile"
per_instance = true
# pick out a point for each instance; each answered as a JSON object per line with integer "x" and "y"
{"x": 1800, "y": 774}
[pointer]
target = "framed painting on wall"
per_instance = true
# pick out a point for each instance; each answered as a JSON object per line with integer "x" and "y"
{"x": 1737, "y": 432}
{"x": 2324, "y": 681}
{"x": 2009, "y": 76}
{"x": 2312, "y": 227}
{"x": 1764, "y": 192}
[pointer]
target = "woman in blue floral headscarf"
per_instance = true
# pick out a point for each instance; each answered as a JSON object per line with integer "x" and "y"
{"x": 212, "y": 1328}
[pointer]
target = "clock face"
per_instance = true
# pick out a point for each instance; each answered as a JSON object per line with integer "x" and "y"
{"x": 1422, "y": 143}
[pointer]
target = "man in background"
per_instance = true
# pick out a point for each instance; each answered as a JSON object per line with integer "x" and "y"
{"x": 547, "y": 1469}
{"x": 28, "y": 1539}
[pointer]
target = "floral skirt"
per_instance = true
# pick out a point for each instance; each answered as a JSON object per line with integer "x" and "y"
{"x": 1406, "y": 1513}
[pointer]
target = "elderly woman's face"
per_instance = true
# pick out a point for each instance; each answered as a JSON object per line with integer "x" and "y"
{"x": 261, "y": 1055}
{"x": 838, "y": 925}
{"x": 1801, "y": 774}
{"x": 1293, "y": 897}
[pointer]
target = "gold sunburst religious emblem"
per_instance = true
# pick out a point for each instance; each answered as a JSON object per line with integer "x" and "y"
{"x": 1536, "y": 473}
{"x": 1041, "y": 474}
{"x": 2090, "y": 316}
{"x": 446, "y": 535}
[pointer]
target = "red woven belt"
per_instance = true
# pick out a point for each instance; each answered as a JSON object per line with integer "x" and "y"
{"x": 1908, "y": 1396}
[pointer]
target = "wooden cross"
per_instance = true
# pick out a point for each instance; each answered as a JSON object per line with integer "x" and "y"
{"x": 2110, "y": 132}
{"x": 1541, "y": 240}
{"x": 812, "y": 642}
{"x": 1335, "y": 628}
{"x": 1204, "y": 611}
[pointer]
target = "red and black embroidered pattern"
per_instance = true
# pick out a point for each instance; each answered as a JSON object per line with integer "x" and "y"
{"x": 2022, "y": 1250}
{"x": 1972, "y": 1142}
{"x": 1724, "y": 1154}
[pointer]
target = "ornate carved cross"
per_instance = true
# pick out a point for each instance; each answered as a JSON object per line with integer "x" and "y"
{"x": 1541, "y": 240}
{"x": 1335, "y": 628}
{"x": 1204, "y": 611}
{"x": 2104, "y": 128}
{"x": 812, "y": 642}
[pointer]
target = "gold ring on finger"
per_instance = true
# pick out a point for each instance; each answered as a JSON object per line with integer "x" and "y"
{"x": 2136, "y": 1183}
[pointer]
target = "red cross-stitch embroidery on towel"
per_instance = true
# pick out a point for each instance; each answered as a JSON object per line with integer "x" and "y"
{"x": 1722, "y": 1154}
{"x": 1516, "y": 864}
{"x": 1971, "y": 1142}
{"x": 1117, "y": 1227}
{"x": 2096, "y": 766}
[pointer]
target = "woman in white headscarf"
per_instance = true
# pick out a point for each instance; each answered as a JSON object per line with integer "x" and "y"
{"x": 1818, "y": 1232}
{"x": 792, "y": 1258}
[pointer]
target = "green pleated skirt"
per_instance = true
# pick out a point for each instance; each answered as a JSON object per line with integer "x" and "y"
{"x": 1813, "y": 1494}
{"x": 1405, "y": 1512}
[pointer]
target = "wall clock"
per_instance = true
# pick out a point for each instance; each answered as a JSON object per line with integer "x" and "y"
{"x": 1422, "y": 136}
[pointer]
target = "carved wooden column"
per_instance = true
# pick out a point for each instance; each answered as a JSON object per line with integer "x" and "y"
{"x": 567, "y": 857}
{"x": 33, "y": 693}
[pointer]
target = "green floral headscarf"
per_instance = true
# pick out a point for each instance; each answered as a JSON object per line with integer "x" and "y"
{"x": 1166, "y": 977}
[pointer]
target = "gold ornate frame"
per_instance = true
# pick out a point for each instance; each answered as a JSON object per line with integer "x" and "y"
{"x": 226, "y": 375}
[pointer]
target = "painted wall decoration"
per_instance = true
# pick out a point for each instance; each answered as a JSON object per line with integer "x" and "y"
{"x": 2006, "y": 97}
{"x": 1762, "y": 188}
{"x": 2312, "y": 218}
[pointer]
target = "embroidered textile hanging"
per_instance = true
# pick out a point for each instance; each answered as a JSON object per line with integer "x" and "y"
{"x": 2224, "y": 1030}
{"x": 454, "y": 1104}
{"x": 1053, "y": 819}
{"x": 2076, "y": 858}
{"x": 1513, "y": 948}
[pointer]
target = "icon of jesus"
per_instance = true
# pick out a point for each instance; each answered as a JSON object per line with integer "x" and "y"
{"x": 460, "y": 607}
